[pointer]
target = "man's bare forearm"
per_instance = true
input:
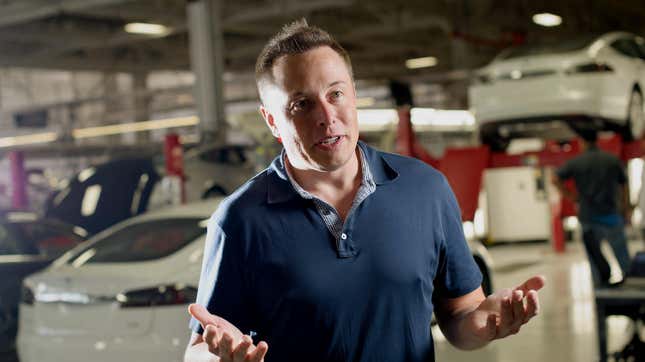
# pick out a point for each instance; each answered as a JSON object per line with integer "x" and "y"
{"x": 458, "y": 331}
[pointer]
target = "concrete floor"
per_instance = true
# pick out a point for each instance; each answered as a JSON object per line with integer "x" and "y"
{"x": 565, "y": 330}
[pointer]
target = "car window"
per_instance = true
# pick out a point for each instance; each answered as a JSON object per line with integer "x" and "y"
{"x": 548, "y": 48}
{"x": 226, "y": 155}
{"x": 45, "y": 238}
{"x": 627, "y": 47}
{"x": 640, "y": 44}
{"x": 142, "y": 241}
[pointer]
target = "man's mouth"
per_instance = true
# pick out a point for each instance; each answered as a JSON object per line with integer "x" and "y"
{"x": 329, "y": 140}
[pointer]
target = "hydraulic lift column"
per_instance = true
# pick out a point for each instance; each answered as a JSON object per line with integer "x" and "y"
{"x": 207, "y": 63}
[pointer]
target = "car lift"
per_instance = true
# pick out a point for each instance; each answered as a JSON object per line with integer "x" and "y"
{"x": 464, "y": 167}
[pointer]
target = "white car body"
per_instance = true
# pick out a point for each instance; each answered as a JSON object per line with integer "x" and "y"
{"x": 76, "y": 315}
{"x": 596, "y": 81}
{"x": 77, "y": 312}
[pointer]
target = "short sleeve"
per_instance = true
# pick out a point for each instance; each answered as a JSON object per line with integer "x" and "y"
{"x": 222, "y": 288}
{"x": 564, "y": 172}
{"x": 458, "y": 273}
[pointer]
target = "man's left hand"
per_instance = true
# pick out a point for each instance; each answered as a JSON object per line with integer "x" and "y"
{"x": 504, "y": 312}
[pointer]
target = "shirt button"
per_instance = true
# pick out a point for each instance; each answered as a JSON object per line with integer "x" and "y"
{"x": 343, "y": 236}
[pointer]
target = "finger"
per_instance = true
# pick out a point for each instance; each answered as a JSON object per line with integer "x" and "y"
{"x": 260, "y": 351}
{"x": 211, "y": 338}
{"x": 517, "y": 303}
{"x": 240, "y": 352}
{"x": 202, "y": 315}
{"x": 506, "y": 317}
{"x": 226, "y": 346}
{"x": 491, "y": 327}
{"x": 533, "y": 283}
{"x": 532, "y": 305}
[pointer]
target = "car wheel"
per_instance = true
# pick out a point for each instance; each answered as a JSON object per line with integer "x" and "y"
{"x": 487, "y": 285}
{"x": 636, "y": 117}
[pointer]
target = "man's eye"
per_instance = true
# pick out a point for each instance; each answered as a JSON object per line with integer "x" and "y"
{"x": 298, "y": 105}
{"x": 337, "y": 94}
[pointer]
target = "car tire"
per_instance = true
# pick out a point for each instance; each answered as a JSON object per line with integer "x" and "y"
{"x": 487, "y": 285}
{"x": 494, "y": 140}
{"x": 635, "y": 124}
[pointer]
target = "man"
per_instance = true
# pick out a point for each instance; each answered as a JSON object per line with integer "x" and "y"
{"x": 599, "y": 178}
{"x": 338, "y": 252}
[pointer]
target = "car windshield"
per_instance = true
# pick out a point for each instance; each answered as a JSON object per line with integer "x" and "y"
{"x": 548, "y": 48}
{"x": 142, "y": 241}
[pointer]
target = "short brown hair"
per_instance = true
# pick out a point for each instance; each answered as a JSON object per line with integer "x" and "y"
{"x": 295, "y": 38}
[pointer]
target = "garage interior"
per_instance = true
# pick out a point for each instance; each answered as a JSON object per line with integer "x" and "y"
{"x": 81, "y": 86}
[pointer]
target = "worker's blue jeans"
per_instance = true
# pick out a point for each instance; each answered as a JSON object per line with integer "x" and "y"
{"x": 593, "y": 234}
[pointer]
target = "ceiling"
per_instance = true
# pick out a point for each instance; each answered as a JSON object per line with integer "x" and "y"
{"x": 379, "y": 34}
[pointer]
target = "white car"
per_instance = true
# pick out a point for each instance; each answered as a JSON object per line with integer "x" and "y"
{"x": 586, "y": 82}
{"x": 217, "y": 171}
{"x": 123, "y": 295}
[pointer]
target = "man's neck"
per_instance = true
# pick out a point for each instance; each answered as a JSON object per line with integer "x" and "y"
{"x": 345, "y": 178}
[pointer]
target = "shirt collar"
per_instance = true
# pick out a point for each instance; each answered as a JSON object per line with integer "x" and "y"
{"x": 280, "y": 189}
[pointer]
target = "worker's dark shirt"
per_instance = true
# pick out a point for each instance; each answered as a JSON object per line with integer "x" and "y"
{"x": 272, "y": 266}
{"x": 598, "y": 176}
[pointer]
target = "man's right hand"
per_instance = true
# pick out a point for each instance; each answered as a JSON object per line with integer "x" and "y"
{"x": 225, "y": 340}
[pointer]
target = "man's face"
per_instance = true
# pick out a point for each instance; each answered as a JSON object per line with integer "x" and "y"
{"x": 311, "y": 107}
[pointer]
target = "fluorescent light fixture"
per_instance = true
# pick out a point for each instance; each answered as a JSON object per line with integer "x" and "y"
{"x": 547, "y": 19}
{"x": 365, "y": 102}
{"x": 437, "y": 117}
{"x": 134, "y": 127}
{"x": 421, "y": 62}
{"x": 28, "y": 139}
{"x": 376, "y": 119}
{"x": 146, "y": 29}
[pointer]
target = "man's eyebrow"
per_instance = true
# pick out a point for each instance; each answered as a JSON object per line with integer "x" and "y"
{"x": 332, "y": 84}
{"x": 336, "y": 83}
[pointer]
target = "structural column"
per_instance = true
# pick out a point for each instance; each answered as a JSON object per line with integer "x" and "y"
{"x": 207, "y": 63}
{"x": 18, "y": 180}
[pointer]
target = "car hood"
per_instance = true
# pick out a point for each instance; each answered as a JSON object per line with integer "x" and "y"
{"x": 105, "y": 279}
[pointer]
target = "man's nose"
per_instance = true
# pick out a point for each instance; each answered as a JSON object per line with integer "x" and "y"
{"x": 325, "y": 113}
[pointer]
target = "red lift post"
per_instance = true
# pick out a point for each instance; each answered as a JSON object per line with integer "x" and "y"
{"x": 18, "y": 180}
{"x": 174, "y": 156}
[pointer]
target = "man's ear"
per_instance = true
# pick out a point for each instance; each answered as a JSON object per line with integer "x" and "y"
{"x": 270, "y": 121}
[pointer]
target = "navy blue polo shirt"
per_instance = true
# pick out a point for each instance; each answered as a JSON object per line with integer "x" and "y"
{"x": 272, "y": 268}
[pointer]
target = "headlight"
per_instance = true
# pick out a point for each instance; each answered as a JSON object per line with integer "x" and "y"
{"x": 159, "y": 296}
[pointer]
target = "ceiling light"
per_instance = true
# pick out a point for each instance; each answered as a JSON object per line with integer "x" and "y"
{"x": 121, "y": 128}
{"x": 28, "y": 139}
{"x": 547, "y": 19}
{"x": 421, "y": 62}
{"x": 146, "y": 29}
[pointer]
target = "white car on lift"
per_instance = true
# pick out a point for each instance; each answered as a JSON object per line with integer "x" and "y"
{"x": 123, "y": 295}
{"x": 591, "y": 81}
